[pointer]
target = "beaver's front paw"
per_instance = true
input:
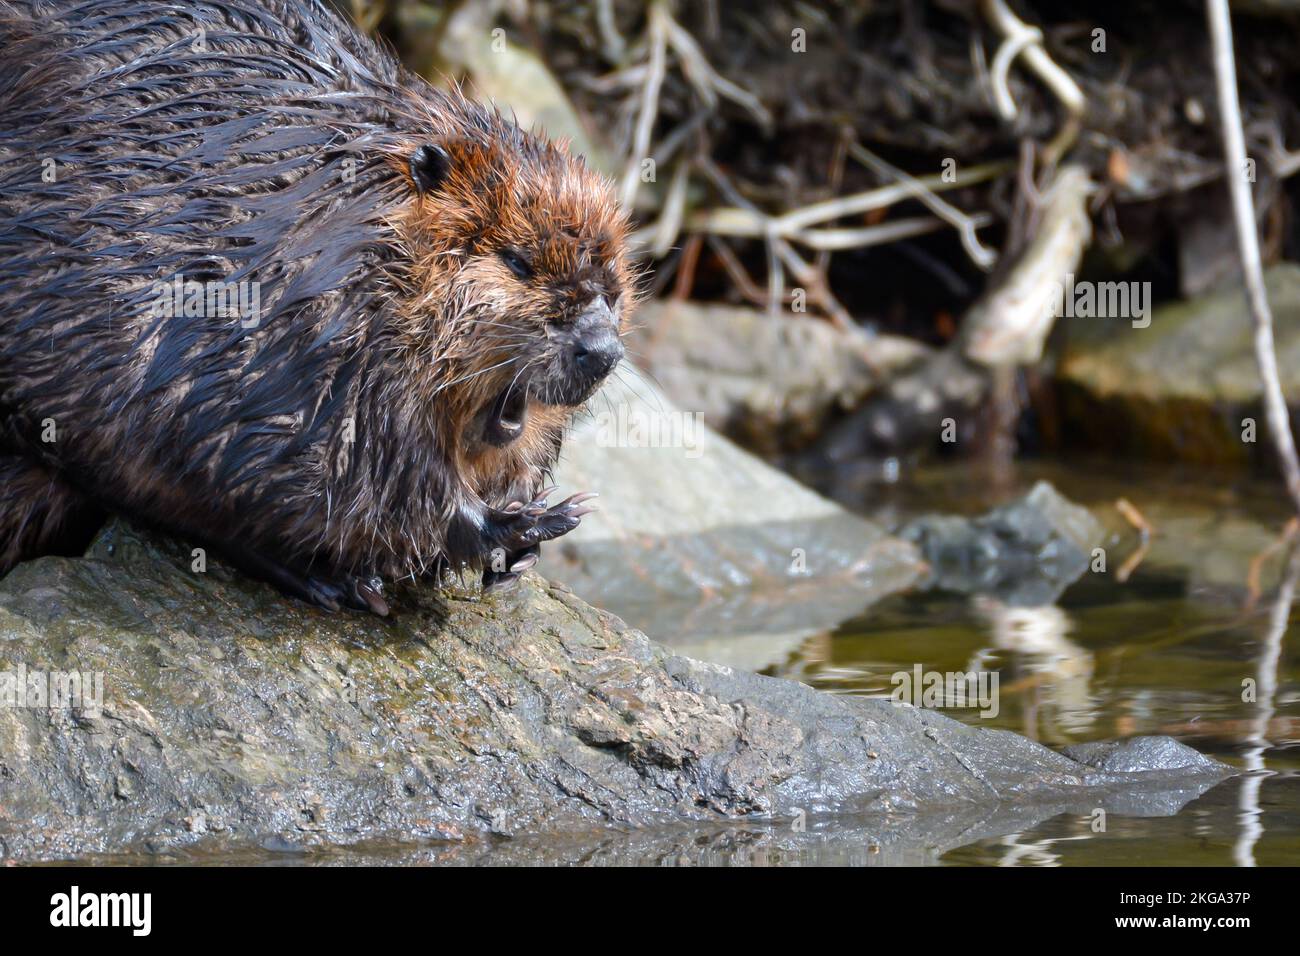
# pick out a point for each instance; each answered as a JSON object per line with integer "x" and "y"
{"x": 521, "y": 528}
{"x": 518, "y": 526}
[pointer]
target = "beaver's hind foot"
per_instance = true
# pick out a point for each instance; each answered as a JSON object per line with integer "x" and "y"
{"x": 323, "y": 589}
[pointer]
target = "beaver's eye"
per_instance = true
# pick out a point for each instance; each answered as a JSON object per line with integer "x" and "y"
{"x": 517, "y": 263}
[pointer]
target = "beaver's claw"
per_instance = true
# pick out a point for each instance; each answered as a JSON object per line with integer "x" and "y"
{"x": 318, "y": 586}
{"x": 520, "y": 526}
{"x": 360, "y": 594}
{"x": 511, "y": 567}
{"x": 521, "y": 529}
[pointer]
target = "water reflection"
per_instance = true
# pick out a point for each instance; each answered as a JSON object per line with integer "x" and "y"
{"x": 1056, "y": 669}
{"x": 1160, "y": 645}
{"x": 1252, "y": 822}
{"x": 1039, "y": 852}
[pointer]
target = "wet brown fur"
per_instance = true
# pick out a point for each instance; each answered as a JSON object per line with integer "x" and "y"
{"x": 387, "y": 312}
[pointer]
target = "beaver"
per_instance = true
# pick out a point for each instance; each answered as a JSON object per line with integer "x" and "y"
{"x": 268, "y": 291}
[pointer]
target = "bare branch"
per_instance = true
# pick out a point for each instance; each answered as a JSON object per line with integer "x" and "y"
{"x": 1026, "y": 42}
{"x": 980, "y": 254}
{"x": 649, "y": 103}
{"x": 1009, "y": 324}
{"x": 1234, "y": 153}
{"x": 747, "y": 221}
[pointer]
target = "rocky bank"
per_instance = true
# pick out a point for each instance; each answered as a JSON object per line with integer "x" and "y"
{"x": 234, "y": 720}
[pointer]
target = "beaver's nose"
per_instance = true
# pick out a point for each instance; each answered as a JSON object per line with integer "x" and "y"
{"x": 597, "y": 353}
{"x": 596, "y": 346}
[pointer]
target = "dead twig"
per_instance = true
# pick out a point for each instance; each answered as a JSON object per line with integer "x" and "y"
{"x": 1134, "y": 517}
{"x": 1026, "y": 43}
{"x": 1255, "y": 571}
{"x": 649, "y": 110}
{"x": 828, "y": 240}
{"x": 742, "y": 280}
{"x": 1234, "y": 150}
{"x": 707, "y": 81}
{"x": 1010, "y": 323}
{"x": 980, "y": 254}
{"x": 780, "y": 253}
{"x": 686, "y": 268}
{"x": 836, "y": 181}
{"x": 748, "y": 221}
{"x": 612, "y": 42}
{"x": 1131, "y": 563}
{"x": 666, "y": 229}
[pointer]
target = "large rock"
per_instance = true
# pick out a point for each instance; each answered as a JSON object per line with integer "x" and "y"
{"x": 1181, "y": 387}
{"x": 232, "y": 718}
{"x": 770, "y": 382}
{"x": 704, "y": 546}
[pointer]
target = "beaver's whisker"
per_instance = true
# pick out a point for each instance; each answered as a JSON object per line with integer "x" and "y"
{"x": 473, "y": 375}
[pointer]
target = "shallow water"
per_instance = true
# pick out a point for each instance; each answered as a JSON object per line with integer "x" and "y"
{"x": 1174, "y": 646}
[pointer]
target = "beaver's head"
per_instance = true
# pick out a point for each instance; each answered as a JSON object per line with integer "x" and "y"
{"x": 522, "y": 274}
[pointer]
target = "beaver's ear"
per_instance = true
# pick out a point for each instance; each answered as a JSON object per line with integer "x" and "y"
{"x": 429, "y": 165}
